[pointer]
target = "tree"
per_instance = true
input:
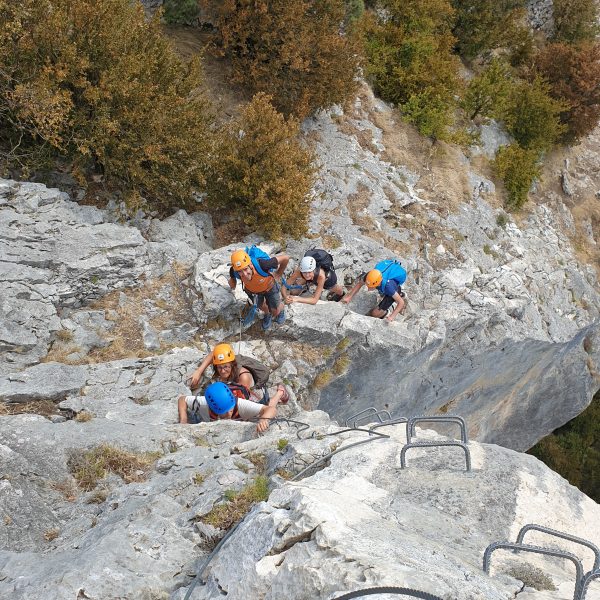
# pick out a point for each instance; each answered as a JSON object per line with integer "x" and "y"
{"x": 94, "y": 83}
{"x": 573, "y": 74}
{"x": 518, "y": 168}
{"x": 487, "y": 24}
{"x": 293, "y": 50}
{"x": 488, "y": 92}
{"x": 408, "y": 44}
{"x": 532, "y": 116}
{"x": 262, "y": 172}
{"x": 575, "y": 20}
{"x": 181, "y": 12}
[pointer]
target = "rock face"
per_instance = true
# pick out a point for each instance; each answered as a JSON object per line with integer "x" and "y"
{"x": 364, "y": 522}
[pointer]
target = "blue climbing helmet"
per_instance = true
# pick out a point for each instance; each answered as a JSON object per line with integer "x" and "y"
{"x": 219, "y": 398}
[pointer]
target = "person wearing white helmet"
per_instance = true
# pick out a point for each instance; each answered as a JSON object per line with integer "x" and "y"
{"x": 315, "y": 269}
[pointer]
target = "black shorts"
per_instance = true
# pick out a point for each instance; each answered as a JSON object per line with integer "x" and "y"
{"x": 387, "y": 301}
{"x": 330, "y": 281}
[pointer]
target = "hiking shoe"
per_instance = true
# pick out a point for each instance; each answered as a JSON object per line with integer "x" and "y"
{"x": 285, "y": 396}
{"x": 280, "y": 318}
{"x": 266, "y": 324}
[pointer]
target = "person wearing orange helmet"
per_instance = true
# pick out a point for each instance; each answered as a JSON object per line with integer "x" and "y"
{"x": 387, "y": 278}
{"x": 259, "y": 275}
{"x": 225, "y": 368}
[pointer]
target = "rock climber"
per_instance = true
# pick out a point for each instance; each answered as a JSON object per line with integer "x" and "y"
{"x": 387, "y": 278}
{"x": 315, "y": 269}
{"x": 254, "y": 268}
{"x": 219, "y": 402}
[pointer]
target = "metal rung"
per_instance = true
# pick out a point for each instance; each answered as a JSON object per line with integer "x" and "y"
{"x": 434, "y": 444}
{"x": 410, "y": 426}
{"x": 370, "y": 409}
{"x": 369, "y": 412}
{"x": 397, "y": 421}
{"x": 585, "y": 582}
{"x": 564, "y": 536}
{"x": 537, "y": 550}
{"x": 388, "y": 590}
{"x": 377, "y": 414}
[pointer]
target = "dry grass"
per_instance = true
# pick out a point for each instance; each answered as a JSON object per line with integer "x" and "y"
{"x": 45, "y": 408}
{"x": 341, "y": 364}
{"x": 259, "y": 461}
{"x": 84, "y": 416}
{"x": 88, "y": 467}
{"x": 98, "y": 496}
{"x": 322, "y": 379}
{"x": 67, "y": 488}
{"x": 64, "y": 335}
{"x": 51, "y": 534}
{"x": 127, "y": 333}
{"x": 224, "y": 516}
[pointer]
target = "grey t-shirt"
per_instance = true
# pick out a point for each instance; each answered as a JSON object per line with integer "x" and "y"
{"x": 247, "y": 409}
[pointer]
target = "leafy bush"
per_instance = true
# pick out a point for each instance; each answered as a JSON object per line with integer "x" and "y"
{"x": 94, "y": 83}
{"x": 573, "y": 74}
{"x": 181, "y": 12}
{"x": 408, "y": 44}
{"x": 575, "y": 20}
{"x": 487, "y": 93}
{"x": 532, "y": 116}
{"x": 573, "y": 450}
{"x": 518, "y": 168}
{"x": 429, "y": 113}
{"x": 354, "y": 10}
{"x": 262, "y": 172}
{"x": 487, "y": 24}
{"x": 293, "y": 50}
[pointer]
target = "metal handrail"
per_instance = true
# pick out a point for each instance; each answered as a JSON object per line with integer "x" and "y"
{"x": 370, "y": 409}
{"x": 433, "y": 444}
{"x": 375, "y": 414}
{"x": 585, "y": 582}
{"x": 537, "y": 550}
{"x": 410, "y": 426}
{"x": 565, "y": 536}
{"x": 388, "y": 590}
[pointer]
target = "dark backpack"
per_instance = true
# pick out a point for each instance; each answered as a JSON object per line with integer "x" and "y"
{"x": 323, "y": 259}
{"x": 259, "y": 372}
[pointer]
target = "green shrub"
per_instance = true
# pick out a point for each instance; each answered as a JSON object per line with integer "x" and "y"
{"x": 93, "y": 83}
{"x": 573, "y": 450}
{"x": 409, "y": 49}
{"x": 532, "y": 116}
{"x": 293, "y": 50}
{"x": 181, "y": 12}
{"x": 518, "y": 168}
{"x": 429, "y": 113}
{"x": 573, "y": 75}
{"x": 262, "y": 172}
{"x": 487, "y": 93}
{"x": 354, "y": 10}
{"x": 487, "y": 24}
{"x": 575, "y": 20}
{"x": 408, "y": 45}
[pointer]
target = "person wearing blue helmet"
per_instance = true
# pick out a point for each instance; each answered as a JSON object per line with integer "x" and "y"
{"x": 219, "y": 402}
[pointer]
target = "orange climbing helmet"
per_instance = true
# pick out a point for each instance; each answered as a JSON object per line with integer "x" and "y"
{"x": 222, "y": 354}
{"x": 373, "y": 278}
{"x": 240, "y": 260}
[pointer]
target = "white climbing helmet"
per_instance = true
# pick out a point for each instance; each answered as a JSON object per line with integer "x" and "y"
{"x": 308, "y": 264}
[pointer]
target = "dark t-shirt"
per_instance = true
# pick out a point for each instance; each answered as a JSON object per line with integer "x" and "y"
{"x": 391, "y": 287}
{"x": 266, "y": 264}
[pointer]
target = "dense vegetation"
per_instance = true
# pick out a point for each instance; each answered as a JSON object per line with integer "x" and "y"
{"x": 262, "y": 172}
{"x": 92, "y": 85}
{"x": 573, "y": 451}
{"x": 292, "y": 50}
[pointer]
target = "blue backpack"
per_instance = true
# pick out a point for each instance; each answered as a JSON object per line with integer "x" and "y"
{"x": 390, "y": 269}
{"x": 255, "y": 253}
